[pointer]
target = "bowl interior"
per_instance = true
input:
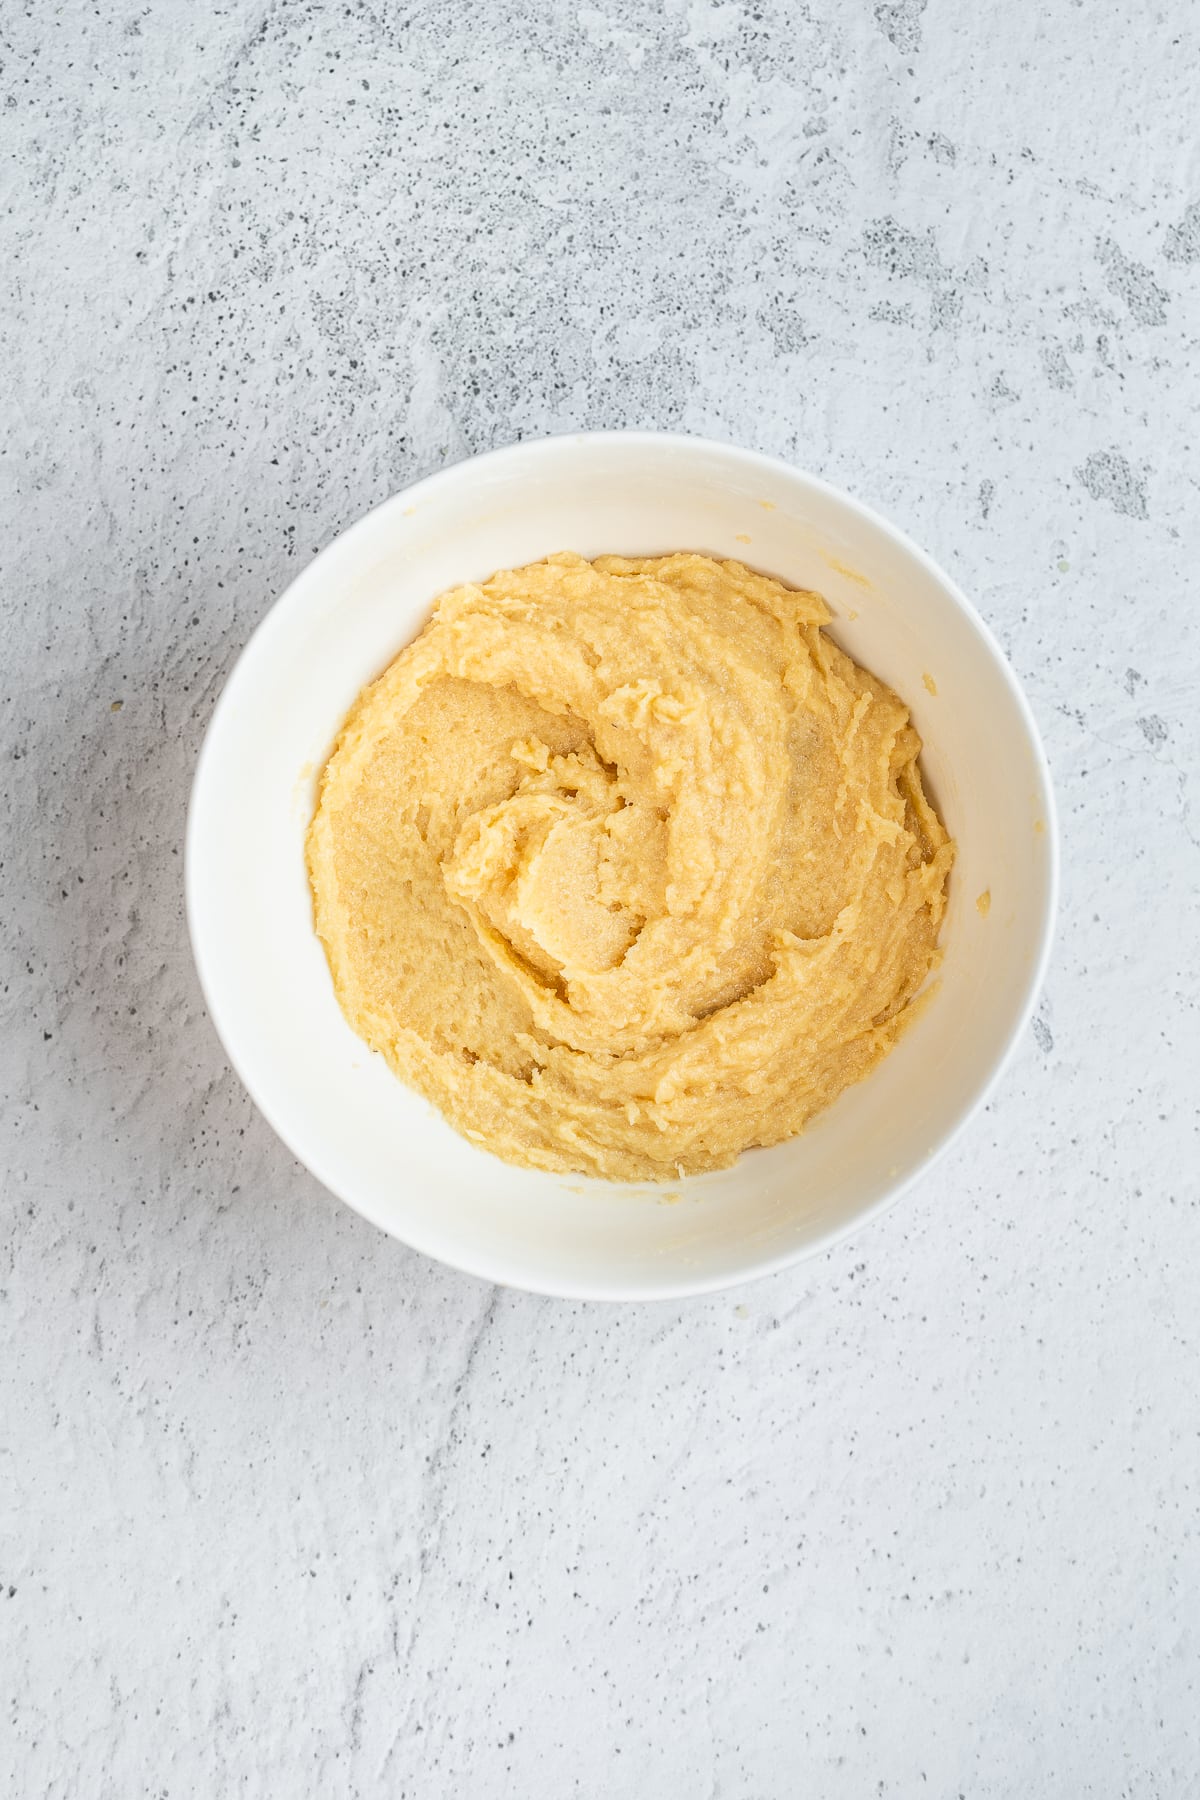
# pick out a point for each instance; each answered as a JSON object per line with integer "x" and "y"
{"x": 337, "y": 1105}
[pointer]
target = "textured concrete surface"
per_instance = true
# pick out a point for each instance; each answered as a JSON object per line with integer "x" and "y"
{"x": 285, "y": 1509}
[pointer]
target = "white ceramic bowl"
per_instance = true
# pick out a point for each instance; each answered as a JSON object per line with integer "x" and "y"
{"x": 336, "y": 1104}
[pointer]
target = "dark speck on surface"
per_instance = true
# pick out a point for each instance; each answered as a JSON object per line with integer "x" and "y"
{"x": 1183, "y": 240}
{"x": 900, "y": 23}
{"x": 1058, "y": 369}
{"x": 1107, "y": 476}
{"x": 1133, "y": 283}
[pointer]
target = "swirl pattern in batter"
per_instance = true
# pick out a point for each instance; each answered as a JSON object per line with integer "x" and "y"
{"x": 626, "y": 866}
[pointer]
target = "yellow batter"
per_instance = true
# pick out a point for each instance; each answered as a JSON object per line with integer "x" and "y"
{"x": 626, "y": 866}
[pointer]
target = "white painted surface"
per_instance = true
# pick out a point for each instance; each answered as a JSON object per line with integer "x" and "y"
{"x": 288, "y": 1510}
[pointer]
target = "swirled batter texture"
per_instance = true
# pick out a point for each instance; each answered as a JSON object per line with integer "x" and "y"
{"x": 626, "y": 866}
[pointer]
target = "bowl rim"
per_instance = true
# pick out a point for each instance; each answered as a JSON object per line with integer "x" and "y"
{"x": 679, "y": 1286}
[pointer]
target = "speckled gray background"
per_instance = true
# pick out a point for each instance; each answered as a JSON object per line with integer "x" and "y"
{"x": 287, "y": 1510}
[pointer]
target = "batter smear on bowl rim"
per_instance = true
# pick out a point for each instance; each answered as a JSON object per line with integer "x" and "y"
{"x": 626, "y": 866}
